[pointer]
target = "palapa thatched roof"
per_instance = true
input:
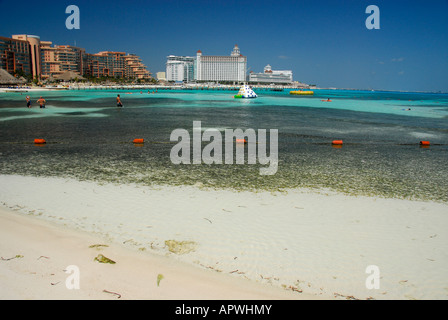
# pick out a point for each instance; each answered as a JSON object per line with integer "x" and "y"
{"x": 6, "y": 78}
{"x": 69, "y": 75}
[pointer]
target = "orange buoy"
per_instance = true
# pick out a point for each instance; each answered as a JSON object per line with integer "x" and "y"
{"x": 241, "y": 141}
{"x": 139, "y": 140}
{"x": 337, "y": 142}
{"x": 424, "y": 143}
{"x": 40, "y": 141}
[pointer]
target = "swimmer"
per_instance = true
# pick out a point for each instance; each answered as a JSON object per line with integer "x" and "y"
{"x": 41, "y": 102}
{"x": 119, "y": 104}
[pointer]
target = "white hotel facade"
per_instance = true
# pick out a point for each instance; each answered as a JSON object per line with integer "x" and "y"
{"x": 221, "y": 68}
{"x": 180, "y": 68}
{"x": 271, "y": 76}
{"x": 231, "y": 69}
{"x": 207, "y": 68}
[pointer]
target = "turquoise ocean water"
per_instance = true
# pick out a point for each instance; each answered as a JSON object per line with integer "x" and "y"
{"x": 89, "y": 138}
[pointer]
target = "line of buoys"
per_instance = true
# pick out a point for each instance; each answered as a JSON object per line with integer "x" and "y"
{"x": 339, "y": 143}
{"x": 139, "y": 141}
{"x": 40, "y": 141}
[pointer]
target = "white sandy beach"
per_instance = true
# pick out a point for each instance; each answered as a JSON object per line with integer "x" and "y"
{"x": 35, "y": 256}
{"x": 231, "y": 245}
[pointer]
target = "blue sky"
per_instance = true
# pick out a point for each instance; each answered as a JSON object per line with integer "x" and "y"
{"x": 322, "y": 42}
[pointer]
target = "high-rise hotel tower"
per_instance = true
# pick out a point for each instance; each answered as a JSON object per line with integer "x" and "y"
{"x": 221, "y": 68}
{"x": 180, "y": 68}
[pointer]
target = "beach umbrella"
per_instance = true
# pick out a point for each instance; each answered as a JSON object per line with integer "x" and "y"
{"x": 69, "y": 75}
{"x": 8, "y": 79}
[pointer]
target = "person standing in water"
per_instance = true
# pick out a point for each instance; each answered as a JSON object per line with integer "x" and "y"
{"x": 119, "y": 104}
{"x": 41, "y": 102}
{"x": 28, "y": 102}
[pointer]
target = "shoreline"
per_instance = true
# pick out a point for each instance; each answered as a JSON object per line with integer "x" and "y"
{"x": 320, "y": 245}
{"x": 218, "y": 87}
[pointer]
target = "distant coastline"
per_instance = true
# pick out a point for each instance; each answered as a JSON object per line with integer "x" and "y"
{"x": 381, "y": 90}
{"x": 193, "y": 86}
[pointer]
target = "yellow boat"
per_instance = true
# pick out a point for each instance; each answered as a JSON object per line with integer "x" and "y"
{"x": 302, "y": 92}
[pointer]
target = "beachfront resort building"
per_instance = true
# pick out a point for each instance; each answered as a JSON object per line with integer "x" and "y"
{"x": 15, "y": 55}
{"x": 56, "y": 60}
{"x": 271, "y": 76}
{"x": 115, "y": 65}
{"x": 35, "y": 55}
{"x": 135, "y": 69}
{"x": 221, "y": 68}
{"x": 105, "y": 64}
{"x": 202, "y": 68}
{"x": 180, "y": 68}
{"x": 29, "y": 55}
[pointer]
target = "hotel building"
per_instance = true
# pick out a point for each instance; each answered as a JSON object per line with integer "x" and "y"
{"x": 271, "y": 76}
{"x": 221, "y": 68}
{"x": 135, "y": 67}
{"x": 35, "y": 55}
{"x": 114, "y": 64}
{"x": 39, "y": 58}
{"x": 105, "y": 64}
{"x": 15, "y": 55}
{"x": 207, "y": 68}
{"x": 59, "y": 59}
{"x": 180, "y": 68}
